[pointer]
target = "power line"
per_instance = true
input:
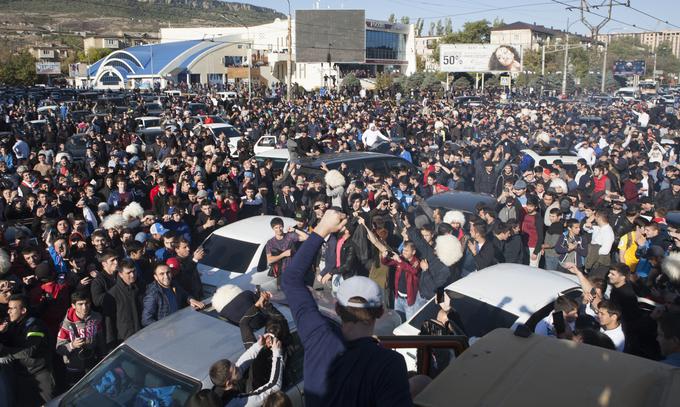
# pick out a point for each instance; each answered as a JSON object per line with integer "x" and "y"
{"x": 572, "y": 7}
{"x": 627, "y": 4}
{"x": 491, "y": 9}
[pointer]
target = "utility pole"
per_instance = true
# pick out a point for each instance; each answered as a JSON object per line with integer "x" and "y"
{"x": 542, "y": 68}
{"x": 654, "y": 71}
{"x": 566, "y": 61}
{"x": 289, "y": 65}
{"x": 604, "y": 67}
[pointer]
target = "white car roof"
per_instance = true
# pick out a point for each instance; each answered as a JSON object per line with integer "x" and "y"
{"x": 148, "y": 118}
{"x": 275, "y": 153}
{"x": 519, "y": 289}
{"x": 216, "y": 125}
{"x": 255, "y": 229}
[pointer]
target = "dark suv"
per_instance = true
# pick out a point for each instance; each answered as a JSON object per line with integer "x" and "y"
{"x": 357, "y": 161}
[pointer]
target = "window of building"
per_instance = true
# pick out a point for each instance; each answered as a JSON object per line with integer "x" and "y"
{"x": 384, "y": 45}
{"x": 215, "y": 78}
{"x": 110, "y": 43}
{"x": 109, "y": 79}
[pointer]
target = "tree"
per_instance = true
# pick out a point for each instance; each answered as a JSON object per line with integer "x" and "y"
{"x": 350, "y": 82}
{"x": 432, "y": 27}
{"x": 392, "y": 18}
{"x": 405, "y": 20}
{"x": 473, "y": 32}
{"x": 461, "y": 83}
{"x": 383, "y": 82}
{"x": 440, "y": 28}
{"x": 18, "y": 69}
{"x": 665, "y": 60}
{"x": 419, "y": 27}
{"x": 420, "y": 63}
{"x": 448, "y": 26}
{"x": 93, "y": 55}
{"x": 497, "y": 22}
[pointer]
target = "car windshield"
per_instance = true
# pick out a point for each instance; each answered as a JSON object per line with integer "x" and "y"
{"x": 125, "y": 378}
{"x": 476, "y": 318}
{"x": 152, "y": 123}
{"x": 228, "y": 254}
{"x": 227, "y": 130}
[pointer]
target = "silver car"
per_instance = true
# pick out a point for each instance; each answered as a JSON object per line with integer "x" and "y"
{"x": 169, "y": 360}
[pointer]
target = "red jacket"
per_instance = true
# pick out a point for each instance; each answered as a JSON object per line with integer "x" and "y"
{"x": 412, "y": 271}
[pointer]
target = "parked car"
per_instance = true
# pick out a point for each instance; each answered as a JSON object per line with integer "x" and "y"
{"x": 279, "y": 157}
{"x": 76, "y": 146}
{"x": 501, "y": 296}
{"x": 568, "y": 158}
{"x": 264, "y": 143}
{"x": 357, "y": 161}
{"x": 463, "y": 201}
{"x": 235, "y": 253}
{"x": 174, "y": 355}
{"x": 148, "y": 122}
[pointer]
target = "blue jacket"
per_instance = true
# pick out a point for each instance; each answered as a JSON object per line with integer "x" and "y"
{"x": 157, "y": 304}
{"x": 363, "y": 373}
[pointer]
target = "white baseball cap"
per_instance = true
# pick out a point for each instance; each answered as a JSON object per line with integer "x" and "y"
{"x": 362, "y": 287}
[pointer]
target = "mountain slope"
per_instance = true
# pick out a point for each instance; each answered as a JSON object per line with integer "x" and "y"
{"x": 106, "y": 16}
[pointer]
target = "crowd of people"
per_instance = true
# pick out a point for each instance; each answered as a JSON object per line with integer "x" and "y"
{"x": 95, "y": 249}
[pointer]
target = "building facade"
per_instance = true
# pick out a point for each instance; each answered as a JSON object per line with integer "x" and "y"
{"x": 530, "y": 36}
{"x": 425, "y": 49}
{"x": 119, "y": 41}
{"x": 651, "y": 39}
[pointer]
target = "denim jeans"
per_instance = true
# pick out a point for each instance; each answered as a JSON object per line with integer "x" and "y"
{"x": 402, "y": 307}
{"x": 551, "y": 262}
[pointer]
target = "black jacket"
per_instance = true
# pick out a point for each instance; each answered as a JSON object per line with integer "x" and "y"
{"x": 26, "y": 343}
{"x": 486, "y": 256}
{"x": 126, "y": 308}
{"x": 101, "y": 300}
{"x": 189, "y": 279}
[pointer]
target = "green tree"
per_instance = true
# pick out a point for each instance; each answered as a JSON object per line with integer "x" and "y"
{"x": 665, "y": 60}
{"x": 18, "y": 69}
{"x": 405, "y": 20}
{"x": 462, "y": 83}
{"x": 350, "y": 82}
{"x": 420, "y": 63}
{"x": 419, "y": 27}
{"x": 473, "y": 32}
{"x": 432, "y": 29}
{"x": 93, "y": 55}
{"x": 448, "y": 26}
{"x": 440, "y": 28}
{"x": 383, "y": 82}
{"x": 497, "y": 22}
{"x": 392, "y": 18}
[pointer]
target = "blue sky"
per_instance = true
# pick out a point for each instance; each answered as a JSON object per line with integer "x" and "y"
{"x": 542, "y": 12}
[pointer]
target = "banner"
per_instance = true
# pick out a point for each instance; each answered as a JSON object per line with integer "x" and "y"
{"x": 47, "y": 68}
{"x": 480, "y": 58}
{"x": 629, "y": 68}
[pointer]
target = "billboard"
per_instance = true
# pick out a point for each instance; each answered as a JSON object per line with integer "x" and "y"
{"x": 338, "y": 33}
{"x": 629, "y": 68}
{"x": 480, "y": 58}
{"x": 47, "y": 68}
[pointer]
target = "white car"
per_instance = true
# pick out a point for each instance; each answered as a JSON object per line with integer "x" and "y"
{"x": 568, "y": 159}
{"x": 279, "y": 157}
{"x": 234, "y": 254}
{"x": 215, "y": 129}
{"x": 148, "y": 123}
{"x": 501, "y": 296}
{"x": 172, "y": 358}
{"x": 264, "y": 143}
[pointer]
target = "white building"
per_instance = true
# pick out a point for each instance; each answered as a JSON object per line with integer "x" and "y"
{"x": 425, "y": 48}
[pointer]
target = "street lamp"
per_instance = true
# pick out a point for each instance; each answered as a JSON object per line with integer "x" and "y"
{"x": 248, "y": 55}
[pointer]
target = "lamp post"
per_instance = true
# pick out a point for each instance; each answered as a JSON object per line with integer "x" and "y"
{"x": 289, "y": 64}
{"x": 248, "y": 55}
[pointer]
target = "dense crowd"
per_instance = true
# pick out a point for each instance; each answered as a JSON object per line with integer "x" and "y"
{"x": 95, "y": 249}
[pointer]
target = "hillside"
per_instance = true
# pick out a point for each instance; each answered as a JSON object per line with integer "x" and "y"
{"x": 29, "y": 21}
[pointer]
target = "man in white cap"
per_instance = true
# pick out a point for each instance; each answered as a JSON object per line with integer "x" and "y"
{"x": 363, "y": 372}
{"x": 371, "y": 136}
